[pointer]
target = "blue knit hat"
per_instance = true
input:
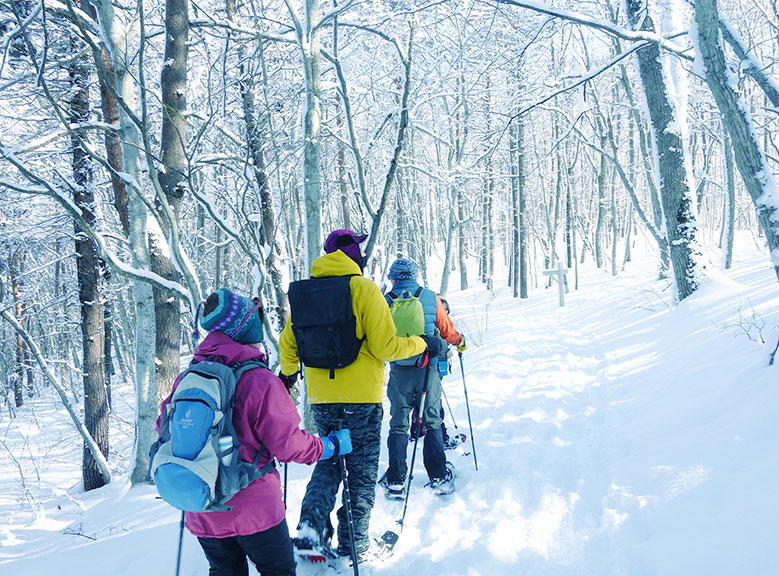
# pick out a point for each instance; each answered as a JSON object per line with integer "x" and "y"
{"x": 234, "y": 315}
{"x": 402, "y": 269}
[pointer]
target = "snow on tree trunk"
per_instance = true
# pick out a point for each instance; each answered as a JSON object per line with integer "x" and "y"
{"x": 96, "y": 409}
{"x": 749, "y": 156}
{"x": 172, "y": 176}
{"x": 729, "y": 210}
{"x": 312, "y": 115}
{"x": 15, "y": 271}
{"x": 601, "y": 214}
{"x": 675, "y": 192}
{"x": 518, "y": 207}
{"x": 120, "y": 40}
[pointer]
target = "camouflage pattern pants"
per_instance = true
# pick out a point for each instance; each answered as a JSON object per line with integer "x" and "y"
{"x": 362, "y": 466}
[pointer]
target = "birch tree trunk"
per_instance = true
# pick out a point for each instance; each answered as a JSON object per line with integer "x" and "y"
{"x": 601, "y": 213}
{"x": 749, "y": 156}
{"x": 729, "y": 209}
{"x": 676, "y": 196}
{"x": 521, "y": 221}
{"x": 312, "y": 194}
{"x": 614, "y": 227}
{"x": 518, "y": 206}
{"x": 119, "y": 41}
{"x": 514, "y": 218}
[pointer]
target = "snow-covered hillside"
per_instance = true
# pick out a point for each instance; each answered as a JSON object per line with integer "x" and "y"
{"x": 615, "y": 436}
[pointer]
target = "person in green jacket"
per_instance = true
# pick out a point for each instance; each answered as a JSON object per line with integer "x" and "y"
{"x": 351, "y": 397}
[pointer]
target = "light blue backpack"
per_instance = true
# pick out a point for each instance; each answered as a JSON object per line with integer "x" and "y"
{"x": 195, "y": 462}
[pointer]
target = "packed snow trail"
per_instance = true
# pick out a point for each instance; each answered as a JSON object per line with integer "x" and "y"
{"x": 615, "y": 436}
{"x": 534, "y": 374}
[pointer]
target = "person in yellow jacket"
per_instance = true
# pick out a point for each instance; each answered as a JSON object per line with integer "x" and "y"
{"x": 350, "y": 396}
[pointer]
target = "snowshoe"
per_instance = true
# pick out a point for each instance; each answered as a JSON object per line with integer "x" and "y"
{"x": 392, "y": 491}
{"x": 445, "y": 485}
{"x": 387, "y": 542}
{"x": 374, "y": 551}
{"x": 309, "y": 551}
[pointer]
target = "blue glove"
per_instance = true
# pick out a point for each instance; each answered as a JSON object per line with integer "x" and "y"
{"x": 434, "y": 344}
{"x": 328, "y": 448}
{"x": 337, "y": 443}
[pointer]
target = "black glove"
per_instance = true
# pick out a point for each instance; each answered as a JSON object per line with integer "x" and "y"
{"x": 434, "y": 344}
{"x": 288, "y": 381}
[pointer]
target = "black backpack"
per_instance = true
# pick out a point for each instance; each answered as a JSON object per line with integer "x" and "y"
{"x": 323, "y": 322}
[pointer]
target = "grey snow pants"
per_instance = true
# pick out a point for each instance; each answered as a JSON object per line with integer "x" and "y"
{"x": 405, "y": 392}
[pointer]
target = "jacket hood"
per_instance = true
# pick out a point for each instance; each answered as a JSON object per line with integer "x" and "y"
{"x": 226, "y": 349}
{"x": 334, "y": 264}
{"x": 405, "y": 284}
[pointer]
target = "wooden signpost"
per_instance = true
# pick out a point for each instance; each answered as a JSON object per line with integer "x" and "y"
{"x": 559, "y": 272}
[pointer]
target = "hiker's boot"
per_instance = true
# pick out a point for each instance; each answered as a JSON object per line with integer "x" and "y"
{"x": 444, "y": 485}
{"x": 392, "y": 490}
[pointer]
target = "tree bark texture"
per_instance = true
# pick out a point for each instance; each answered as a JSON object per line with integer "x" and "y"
{"x": 267, "y": 229}
{"x": 312, "y": 193}
{"x": 729, "y": 211}
{"x": 676, "y": 196}
{"x": 118, "y": 38}
{"x": 749, "y": 156}
{"x": 15, "y": 269}
{"x": 172, "y": 176}
{"x": 601, "y": 214}
{"x": 521, "y": 225}
{"x": 96, "y": 409}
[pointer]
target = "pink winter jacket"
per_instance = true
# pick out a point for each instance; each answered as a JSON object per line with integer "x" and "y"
{"x": 263, "y": 411}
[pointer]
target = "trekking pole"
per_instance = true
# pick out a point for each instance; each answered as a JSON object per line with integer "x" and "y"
{"x": 285, "y": 485}
{"x": 468, "y": 407}
{"x": 421, "y": 407}
{"x": 181, "y": 541}
{"x": 348, "y": 498}
{"x": 448, "y": 407}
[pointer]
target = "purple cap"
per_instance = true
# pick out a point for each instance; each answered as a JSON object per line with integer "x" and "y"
{"x": 348, "y": 242}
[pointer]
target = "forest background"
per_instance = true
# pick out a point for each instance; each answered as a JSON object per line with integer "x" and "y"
{"x": 154, "y": 151}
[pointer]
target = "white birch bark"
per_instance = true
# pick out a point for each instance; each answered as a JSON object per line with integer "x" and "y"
{"x": 749, "y": 156}
{"x": 119, "y": 39}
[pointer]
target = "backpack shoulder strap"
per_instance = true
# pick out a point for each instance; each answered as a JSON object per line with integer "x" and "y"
{"x": 392, "y": 295}
{"x": 241, "y": 367}
{"x": 419, "y": 291}
{"x": 238, "y": 370}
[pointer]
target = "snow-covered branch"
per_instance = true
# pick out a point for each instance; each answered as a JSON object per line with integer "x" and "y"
{"x": 55, "y": 383}
{"x": 602, "y": 25}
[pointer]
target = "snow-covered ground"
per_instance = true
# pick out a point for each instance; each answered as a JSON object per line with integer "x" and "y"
{"x": 617, "y": 435}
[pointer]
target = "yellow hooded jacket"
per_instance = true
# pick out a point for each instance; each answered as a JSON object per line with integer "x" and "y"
{"x": 362, "y": 381}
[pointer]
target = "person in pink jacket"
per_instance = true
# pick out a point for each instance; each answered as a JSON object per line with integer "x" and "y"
{"x": 264, "y": 413}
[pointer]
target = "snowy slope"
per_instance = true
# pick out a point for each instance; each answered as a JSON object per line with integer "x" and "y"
{"x": 616, "y": 435}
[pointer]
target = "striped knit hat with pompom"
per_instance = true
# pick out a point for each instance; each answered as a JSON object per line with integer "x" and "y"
{"x": 234, "y": 315}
